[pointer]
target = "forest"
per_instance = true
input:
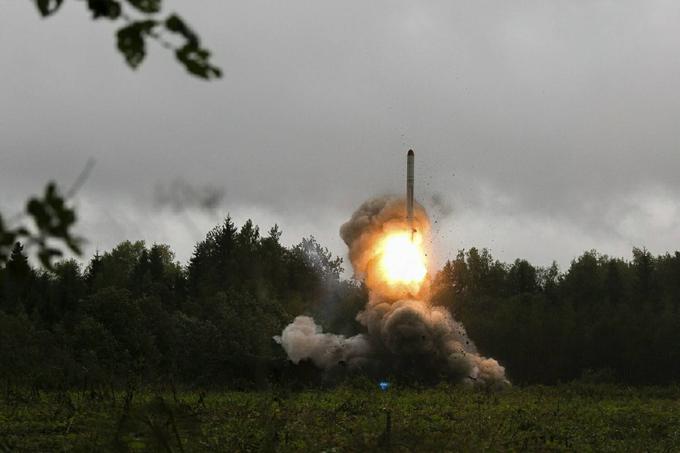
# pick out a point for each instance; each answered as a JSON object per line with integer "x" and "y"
{"x": 135, "y": 316}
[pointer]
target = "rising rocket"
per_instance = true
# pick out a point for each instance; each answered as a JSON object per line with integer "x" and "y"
{"x": 410, "y": 162}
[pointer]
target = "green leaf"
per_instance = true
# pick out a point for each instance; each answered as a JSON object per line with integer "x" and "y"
{"x": 53, "y": 219}
{"x": 195, "y": 60}
{"x": 7, "y": 238}
{"x": 109, "y": 9}
{"x": 46, "y": 254}
{"x": 74, "y": 244}
{"x": 21, "y": 231}
{"x": 175, "y": 24}
{"x": 48, "y": 7}
{"x": 131, "y": 41}
{"x": 36, "y": 208}
{"x": 146, "y": 6}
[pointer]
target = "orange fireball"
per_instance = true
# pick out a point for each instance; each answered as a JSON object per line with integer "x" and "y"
{"x": 401, "y": 262}
{"x": 402, "y": 259}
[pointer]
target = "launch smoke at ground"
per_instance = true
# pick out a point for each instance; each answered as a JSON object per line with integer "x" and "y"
{"x": 404, "y": 335}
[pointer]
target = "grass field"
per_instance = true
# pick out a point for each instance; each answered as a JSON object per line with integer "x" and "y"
{"x": 446, "y": 418}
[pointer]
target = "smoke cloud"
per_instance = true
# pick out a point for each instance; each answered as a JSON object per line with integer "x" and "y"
{"x": 375, "y": 219}
{"x": 404, "y": 334}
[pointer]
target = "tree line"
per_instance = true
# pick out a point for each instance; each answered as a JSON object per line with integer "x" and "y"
{"x": 603, "y": 318}
{"x": 136, "y": 314}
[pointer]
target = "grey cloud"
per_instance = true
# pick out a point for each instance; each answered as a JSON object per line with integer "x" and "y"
{"x": 551, "y": 115}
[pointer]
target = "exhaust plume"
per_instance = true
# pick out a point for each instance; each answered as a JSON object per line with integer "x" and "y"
{"x": 404, "y": 334}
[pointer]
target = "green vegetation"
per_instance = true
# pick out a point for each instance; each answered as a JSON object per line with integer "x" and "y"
{"x": 614, "y": 317}
{"x": 575, "y": 417}
{"x": 137, "y": 352}
{"x": 134, "y": 314}
{"x": 52, "y": 222}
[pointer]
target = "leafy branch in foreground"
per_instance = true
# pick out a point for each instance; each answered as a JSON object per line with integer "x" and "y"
{"x": 52, "y": 219}
{"x": 132, "y": 37}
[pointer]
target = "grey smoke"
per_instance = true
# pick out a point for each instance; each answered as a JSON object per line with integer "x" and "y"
{"x": 403, "y": 335}
{"x": 180, "y": 195}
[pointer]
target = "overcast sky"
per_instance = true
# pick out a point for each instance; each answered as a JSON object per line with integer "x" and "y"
{"x": 541, "y": 129}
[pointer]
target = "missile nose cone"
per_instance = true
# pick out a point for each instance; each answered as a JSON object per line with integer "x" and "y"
{"x": 411, "y": 153}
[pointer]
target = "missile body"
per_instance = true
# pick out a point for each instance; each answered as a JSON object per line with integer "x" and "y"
{"x": 410, "y": 161}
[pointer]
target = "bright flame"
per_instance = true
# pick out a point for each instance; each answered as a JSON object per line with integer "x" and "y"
{"x": 402, "y": 259}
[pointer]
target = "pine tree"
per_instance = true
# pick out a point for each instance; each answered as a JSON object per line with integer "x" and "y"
{"x": 17, "y": 276}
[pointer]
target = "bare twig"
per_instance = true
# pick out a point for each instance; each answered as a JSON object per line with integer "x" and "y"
{"x": 81, "y": 179}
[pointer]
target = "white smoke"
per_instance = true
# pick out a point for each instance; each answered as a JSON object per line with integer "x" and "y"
{"x": 303, "y": 339}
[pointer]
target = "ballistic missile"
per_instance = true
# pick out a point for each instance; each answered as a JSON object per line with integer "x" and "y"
{"x": 410, "y": 161}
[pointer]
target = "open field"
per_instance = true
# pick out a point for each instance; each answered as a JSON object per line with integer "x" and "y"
{"x": 562, "y": 418}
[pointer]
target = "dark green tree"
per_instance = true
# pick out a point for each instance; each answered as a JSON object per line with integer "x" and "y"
{"x": 17, "y": 280}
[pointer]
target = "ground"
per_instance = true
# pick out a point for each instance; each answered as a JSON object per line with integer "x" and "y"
{"x": 575, "y": 417}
